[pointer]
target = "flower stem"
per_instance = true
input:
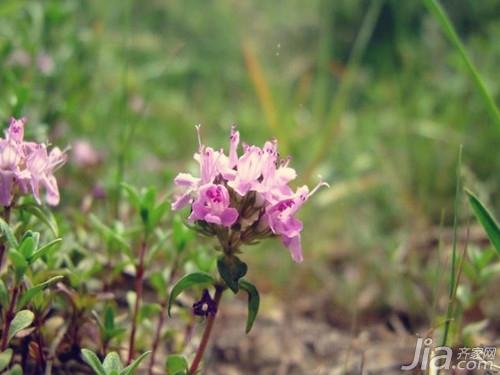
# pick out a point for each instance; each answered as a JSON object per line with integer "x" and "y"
{"x": 139, "y": 283}
{"x": 206, "y": 333}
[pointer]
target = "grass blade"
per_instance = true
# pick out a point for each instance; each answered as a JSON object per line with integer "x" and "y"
{"x": 442, "y": 18}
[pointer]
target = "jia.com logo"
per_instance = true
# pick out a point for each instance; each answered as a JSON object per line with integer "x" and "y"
{"x": 440, "y": 358}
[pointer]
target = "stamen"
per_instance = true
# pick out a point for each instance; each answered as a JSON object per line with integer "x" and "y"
{"x": 320, "y": 184}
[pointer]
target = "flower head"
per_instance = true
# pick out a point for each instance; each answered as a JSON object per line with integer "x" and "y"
{"x": 27, "y": 166}
{"x": 244, "y": 198}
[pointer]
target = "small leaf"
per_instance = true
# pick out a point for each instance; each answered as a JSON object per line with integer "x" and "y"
{"x": 133, "y": 195}
{"x": 27, "y": 245}
{"x": 112, "y": 362}
{"x": 180, "y": 233}
{"x": 22, "y": 320}
{"x": 44, "y": 215}
{"x": 253, "y": 302}
{"x": 7, "y": 231}
{"x": 130, "y": 369}
{"x": 176, "y": 364}
{"x": 486, "y": 219}
{"x": 109, "y": 318}
{"x": 231, "y": 269}
{"x": 159, "y": 211}
{"x": 108, "y": 232}
{"x": 33, "y": 291}
{"x": 43, "y": 250}
{"x": 148, "y": 310}
{"x": 93, "y": 361}
{"x": 19, "y": 262}
{"x": 5, "y": 358}
{"x": 16, "y": 370}
{"x": 187, "y": 281}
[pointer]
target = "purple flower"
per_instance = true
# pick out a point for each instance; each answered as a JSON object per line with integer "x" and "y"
{"x": 205, "y": 306}
{"x": 212, "y": 206}
{"x": 242, "y": 199}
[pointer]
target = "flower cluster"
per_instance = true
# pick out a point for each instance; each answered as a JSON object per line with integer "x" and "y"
{"x": 241, "y": 199}
{"x": 27, "y": 166}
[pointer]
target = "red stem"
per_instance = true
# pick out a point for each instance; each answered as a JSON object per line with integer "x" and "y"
{"x": 156, "y": 342}
{"x": 6, "y": 217}
{"x": 9, "y": 315}
{"x": 139, "y": 284}
{"x": 161, "y": 319}
{"x": 206, "y": 333}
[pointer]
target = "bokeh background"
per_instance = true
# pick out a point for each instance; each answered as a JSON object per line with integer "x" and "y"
{"x": 368, "y": 94}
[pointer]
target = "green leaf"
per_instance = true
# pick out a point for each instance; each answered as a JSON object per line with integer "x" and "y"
{"x": 4, "y": 294}
{"x": 9, "y": 235}
{"x": 148, "y": 310}
{"x": 27, "y": 245}
{"x": 195, "y": 278}
{"x": 133, "y": 195}
{"x": 93, "y": 361}
{"x": 16, "y": 370}
{"x": 176, "y": 365}
{"x": 130, "y": 369}
{"x": 109, "y": 318}
{"x": 180, "y": 233}
{"x": 44, "y": 215}
{"x": 158, "y": 212}
{"x": 19, "y": 262}
{"x": 33, "y": 291}
{"x": 253, "y": 302}
{"x": 108, "y": 232}
{"x": 486, "y": 219}
{"x": 231, "y": 269}
{"x": 22, "y": 320}
{"x": 44, "y": 250}
{"x": 112, "y": 362}
{"x": 5, "y": 358}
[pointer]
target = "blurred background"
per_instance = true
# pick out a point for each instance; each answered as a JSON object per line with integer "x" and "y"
{"x": 368, "y": 94}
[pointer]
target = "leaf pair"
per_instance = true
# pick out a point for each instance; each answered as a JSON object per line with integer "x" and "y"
{"x": 204, "y": 279}
{"x": 112, "y": 364}
{"x": 145, "y": 202}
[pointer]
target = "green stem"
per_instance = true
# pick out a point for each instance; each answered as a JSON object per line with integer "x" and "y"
{"x": 449, "y": 312}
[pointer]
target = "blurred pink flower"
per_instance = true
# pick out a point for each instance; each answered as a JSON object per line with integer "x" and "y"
{"x": 84, "y": 154}
{"x": 26, "y": 166}
{"x": 249, "y": 194}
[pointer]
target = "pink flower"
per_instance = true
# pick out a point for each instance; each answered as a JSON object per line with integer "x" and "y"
{"x": 84, "y": 154}
{"x": 39, "y": 172}
{"x": 212, "y": 206}
{"x": 281, "y": 220}
{"x": 26, "y": 166}
{"x": 250, "y": 194}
